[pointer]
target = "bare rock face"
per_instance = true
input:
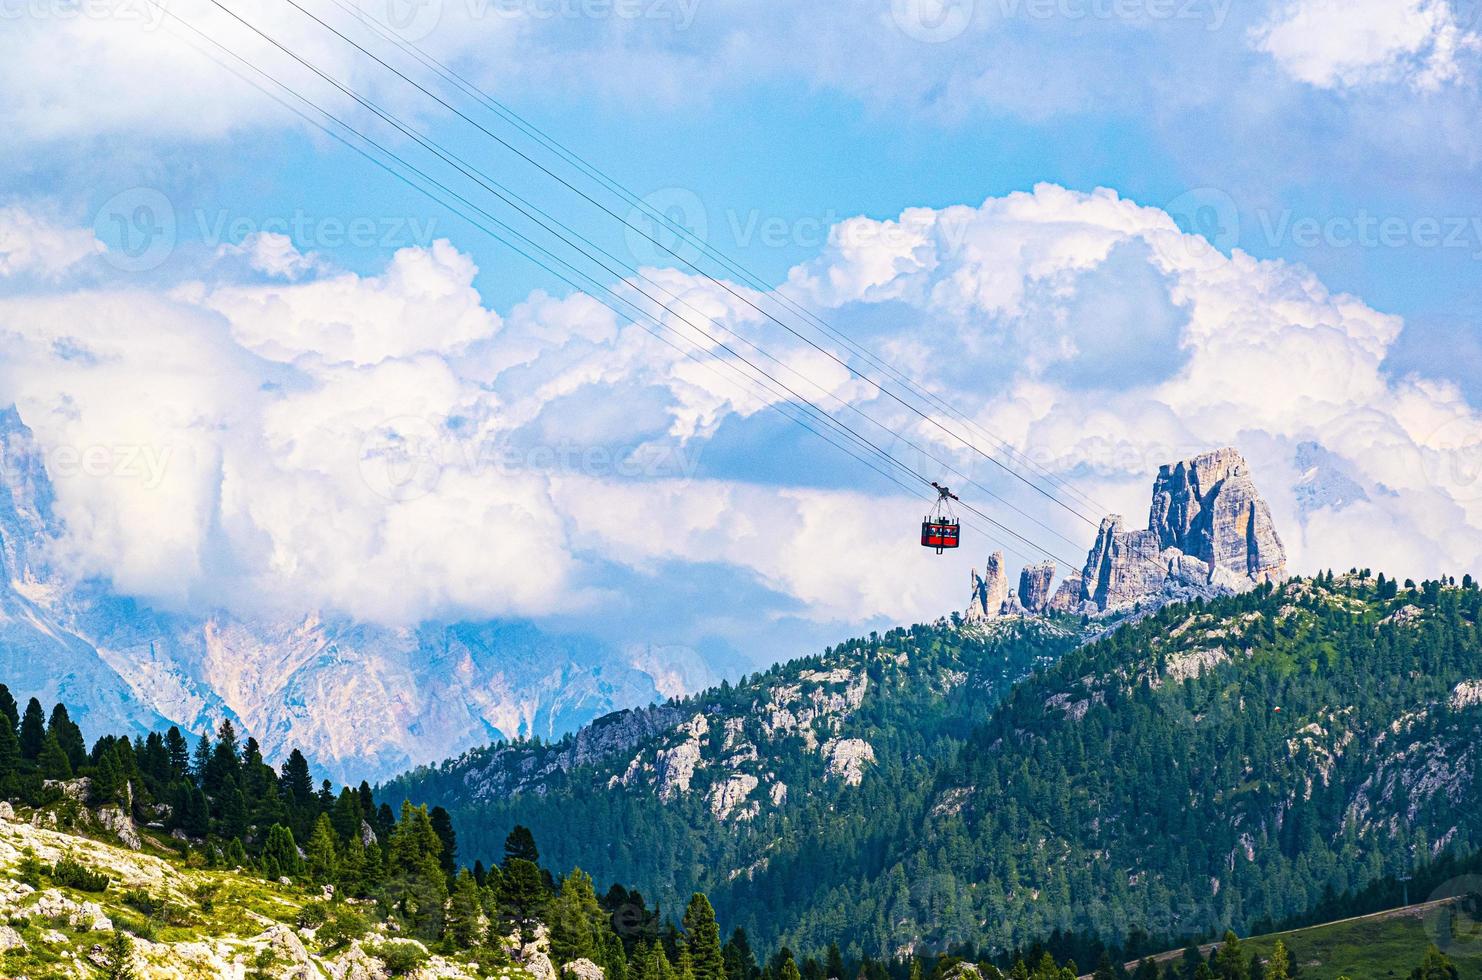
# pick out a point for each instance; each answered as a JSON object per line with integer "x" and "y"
{"x": 1034, "y": 586}
{"x": 582, "y": 969}
{"x": 1122, "y": 567}
{"x": 990, "y": 591}
{"x": 1209, "y": 532}
{"x": 1068, "y": 598}
{"x": 1208, "y": 508}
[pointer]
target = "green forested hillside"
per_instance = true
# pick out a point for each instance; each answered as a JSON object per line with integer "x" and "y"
{"x": 1218, "y": 765}
{"x": 1209, "y": 767}
{"x": 619, "y": 795}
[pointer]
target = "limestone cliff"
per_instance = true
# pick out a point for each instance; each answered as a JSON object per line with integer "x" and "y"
{"x": 1209, "y": 531}
{"x": 990, "y": 590}
{"x": 1034, "y": 586}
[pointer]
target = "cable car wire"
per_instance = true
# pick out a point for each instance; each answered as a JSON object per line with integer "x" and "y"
{"x": 545, "y": 221}
{"x": 718, "y": 282}
{"x": 509, "y": 115}
{"x": 824, "y": 434}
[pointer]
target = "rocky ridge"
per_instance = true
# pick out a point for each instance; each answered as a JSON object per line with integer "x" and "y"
{"x": 223, "y": 924}
{"x": 1209, "y": 533}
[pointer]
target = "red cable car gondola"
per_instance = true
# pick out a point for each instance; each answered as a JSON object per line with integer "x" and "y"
{"x": 940, "y": 529}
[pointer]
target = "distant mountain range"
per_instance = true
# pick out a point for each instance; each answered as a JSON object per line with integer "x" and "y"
{"x": 361, "y": 701}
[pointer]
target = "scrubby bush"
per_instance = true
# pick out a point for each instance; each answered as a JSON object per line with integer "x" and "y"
{"x": 70, "y": 874}
{"x": 343, "y": 926}
{"x": 400, "y": 958}
{"x": 313, "y": 915}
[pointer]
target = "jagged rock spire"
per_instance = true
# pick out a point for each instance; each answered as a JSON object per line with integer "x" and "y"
{"x": 1209, "y": 531}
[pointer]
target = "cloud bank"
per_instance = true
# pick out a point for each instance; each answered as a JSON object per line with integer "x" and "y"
{"x": 386, "y": 446}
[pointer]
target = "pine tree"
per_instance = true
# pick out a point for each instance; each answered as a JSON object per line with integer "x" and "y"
{"x": 280, "y": 853}
{"x": 69, "y": 736}
{"x": 442, "y": 825}
{"x": 1279, "y": 966}
{"x": 234, "y": 815}
{"x": 834, "y": 963}
{"x": 789, "y": 969}
{"x": 347, "y": 814}
{"x": 352, "y": 866}
{"x": 10, "y": 757}
{"x": 8, "y": 709}
{"x": 33, "y": 731}
{"x": 201, "y": 761}
{"x": 465, "y": 912}
{"x": 574, "y": 917}
{"x": 1229, "y": 962}
{"x": 702, "y": 939}
{"x": 740, "y": 960}
{"x": 178, "y": 751}
{"x": 415, "y": 883}
{"x": 107, "y": 781}
{"x": 520, "y": 845}
{"x": 521, "y": 892}
{"x": 322, "y": 853}
{"x": 295, "y": 783}
{"x": 1435, "y": 966}
{"x": 120, "y": 957}
{"x": 53, "y": 762}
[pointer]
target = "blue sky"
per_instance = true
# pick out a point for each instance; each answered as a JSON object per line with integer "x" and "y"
{"x": 1337, "y": 138}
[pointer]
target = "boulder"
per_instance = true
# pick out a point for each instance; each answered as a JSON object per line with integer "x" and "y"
{"x": 583, "y": 969}
{"x": 293, "y": 959}
{"x": 539, "y": 966}
{"x": 1070, "y": 598}
{"x": 116, "y": 821}
{"x": 356, "y": 964}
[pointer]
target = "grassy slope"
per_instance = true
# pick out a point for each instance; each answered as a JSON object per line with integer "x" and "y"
{"x": 1387, "y": 944}
{"x": 1378, "y": 946}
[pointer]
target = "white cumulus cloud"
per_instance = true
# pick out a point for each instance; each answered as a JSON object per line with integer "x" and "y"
{"x": 1347, "y": 43}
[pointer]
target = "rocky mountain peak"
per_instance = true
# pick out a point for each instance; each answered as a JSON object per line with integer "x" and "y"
{"x": 1208, "y": 508}
{"x": 1209, "y": 532}
{"x": 26, "y": 516}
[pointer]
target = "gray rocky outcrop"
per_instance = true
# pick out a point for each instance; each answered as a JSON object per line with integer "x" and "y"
{"x": 1034, "y": 586}
{"x": 990, "y": 590}
{"x": 1209, "y": 533}
{"x": 582, "y": 969}
{"x": 1067, "y": 599}
{"x": 1208, "y": 508}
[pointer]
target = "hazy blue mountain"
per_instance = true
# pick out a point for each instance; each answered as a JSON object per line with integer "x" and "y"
{"x": 362, "y": 701}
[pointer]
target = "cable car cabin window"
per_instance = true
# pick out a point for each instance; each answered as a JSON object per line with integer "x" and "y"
{"x": 940, "y": 535}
